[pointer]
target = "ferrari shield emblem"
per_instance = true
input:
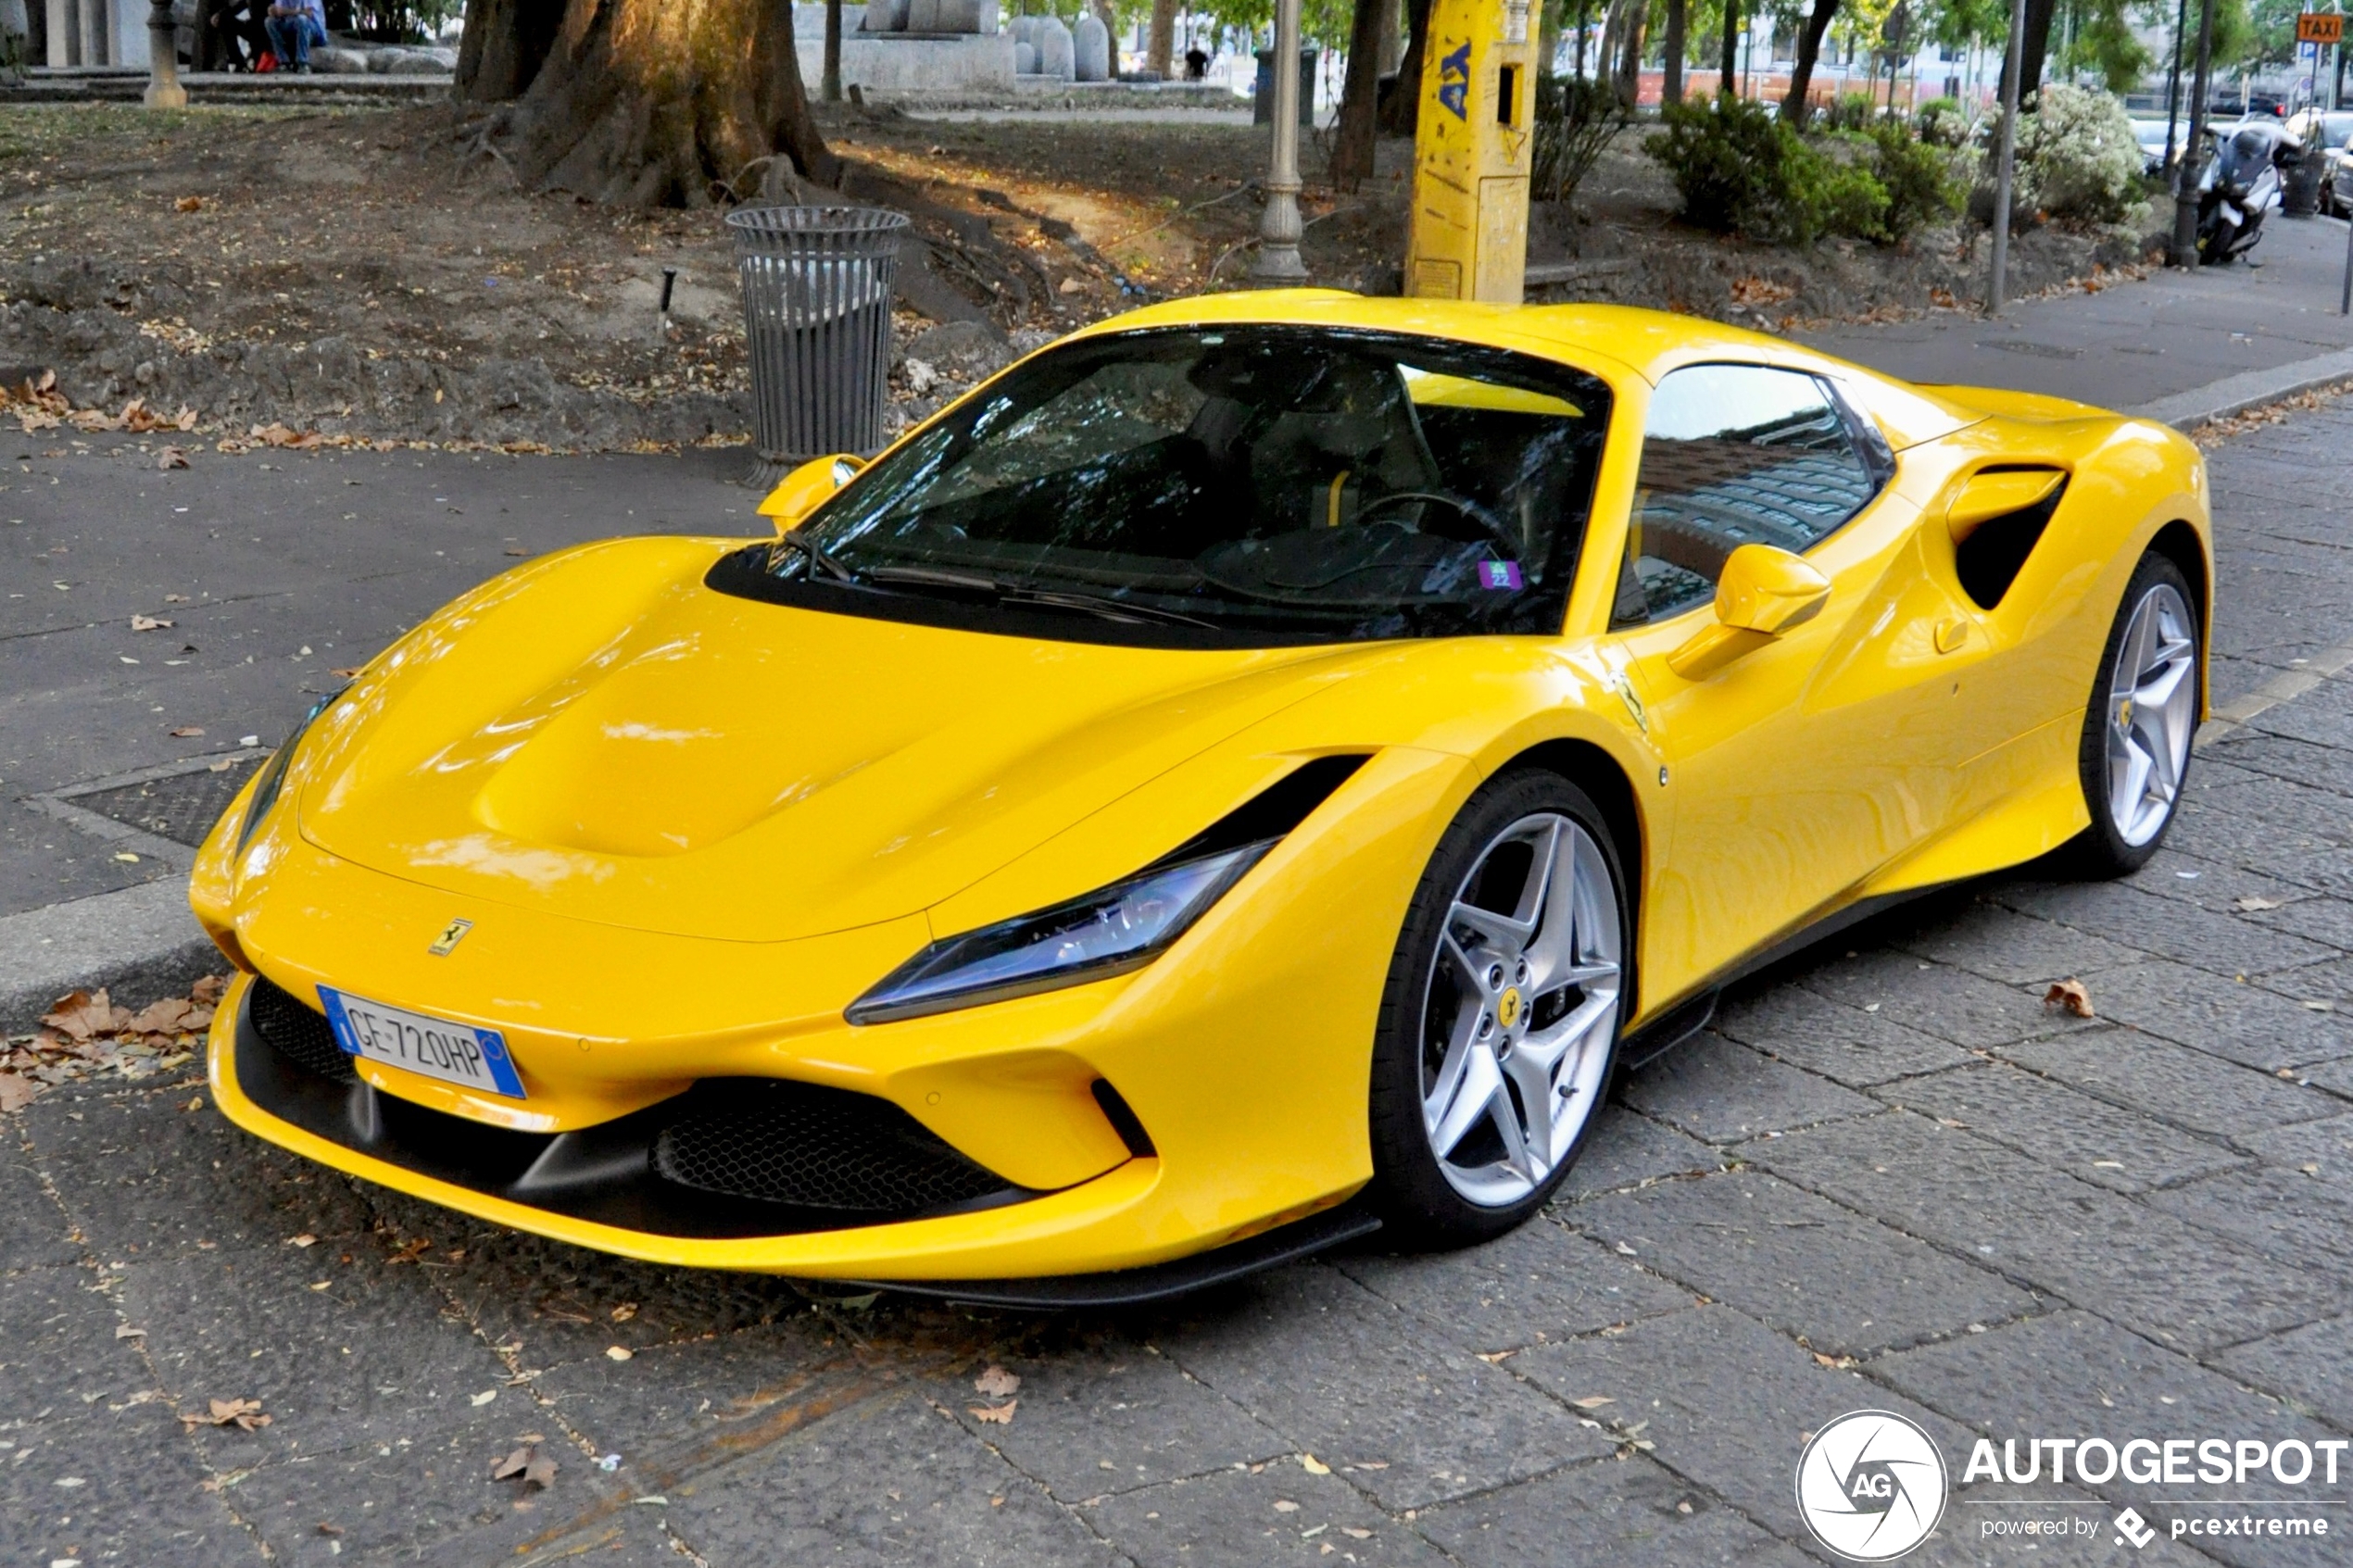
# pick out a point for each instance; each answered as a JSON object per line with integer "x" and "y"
{"x": 451, "y": 935}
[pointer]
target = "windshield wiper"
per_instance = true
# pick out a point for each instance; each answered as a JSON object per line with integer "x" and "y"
{"x": 806, "y": 543}
{"x": 1102, "y": 605}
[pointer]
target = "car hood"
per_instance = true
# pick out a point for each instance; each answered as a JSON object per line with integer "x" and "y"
{"x": 602, "y": 735}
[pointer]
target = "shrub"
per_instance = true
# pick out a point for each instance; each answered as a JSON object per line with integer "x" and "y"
{"x": 2077, "y": 156}
{"x": 1918, "y": 179}
{"x": 1576, "y": 119}
{"x": 1941, "y": 123}
{"x": 1741, "y": 170}
{"x": 1853, "y": 111}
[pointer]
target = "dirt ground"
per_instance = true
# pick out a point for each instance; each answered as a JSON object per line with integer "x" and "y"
{"x": 365, "y": 274}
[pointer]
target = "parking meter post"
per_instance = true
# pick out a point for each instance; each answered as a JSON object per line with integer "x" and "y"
{"x": 1278, "y": 226}
{"x": 2006, "y": 161}
{"x": 2193, "y": 165}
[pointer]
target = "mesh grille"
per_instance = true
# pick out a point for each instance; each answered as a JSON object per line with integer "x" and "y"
{"x": 299, "y": 1032}
{"x": 820, "y": 1147}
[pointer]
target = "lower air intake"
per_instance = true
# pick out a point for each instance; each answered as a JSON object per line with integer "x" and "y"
{"x": 820, "y": 1147}
{"x": 299, "y": 1033}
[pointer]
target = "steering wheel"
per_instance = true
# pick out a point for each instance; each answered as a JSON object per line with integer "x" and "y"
{"x": 1494, "y": 527}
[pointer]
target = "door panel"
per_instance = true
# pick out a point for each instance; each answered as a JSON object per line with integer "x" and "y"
{"x": 1803, "y": 766}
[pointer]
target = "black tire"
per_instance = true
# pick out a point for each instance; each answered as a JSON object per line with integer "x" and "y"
{"x": 1420, "y": 1207}
{"x": 2101, "y": 851}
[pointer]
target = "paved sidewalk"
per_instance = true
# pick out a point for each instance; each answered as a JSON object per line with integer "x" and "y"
{"x": 1890, "y": 1178}
{"x": 2172, "y": 345}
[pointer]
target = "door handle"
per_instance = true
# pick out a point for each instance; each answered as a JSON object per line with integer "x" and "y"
{"x": 1951, "y": 635}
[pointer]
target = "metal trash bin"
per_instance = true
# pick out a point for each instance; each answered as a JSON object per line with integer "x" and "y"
{"x": 817, "y": 288}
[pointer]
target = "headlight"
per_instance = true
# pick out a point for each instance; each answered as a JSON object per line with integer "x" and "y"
{"x": 1109, "y": 932}
{"x": 273, "y": 773}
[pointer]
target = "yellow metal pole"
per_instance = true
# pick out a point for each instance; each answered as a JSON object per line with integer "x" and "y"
{"x": 1467, "y": 237}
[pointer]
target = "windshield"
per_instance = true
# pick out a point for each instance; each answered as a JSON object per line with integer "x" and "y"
{"x": 1249, "y": 486}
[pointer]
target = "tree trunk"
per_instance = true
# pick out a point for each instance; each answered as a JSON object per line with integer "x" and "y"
{"x": 1160, "y": 45}
{"x": 652, "y": 104}
{"x": 829, "y": 75}
{"x": 1672, "y": 86}
{"x": 1402, "y": 112}
{"x": 1391, "y": 46}
{"x": 1629, "y": 74}
{"x": 1794, "y": 108}
{"x": 2035, "y": 44}
{"x": 505, "y": 43}
{"x": 1727, "y": 70}
{"x": 1352, "y": 161}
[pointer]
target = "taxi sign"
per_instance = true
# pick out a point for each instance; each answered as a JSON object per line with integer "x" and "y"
{"x": 2320, "y": 26}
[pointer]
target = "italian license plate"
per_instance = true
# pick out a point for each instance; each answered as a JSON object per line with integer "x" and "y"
{"x": 455, "y": 1053}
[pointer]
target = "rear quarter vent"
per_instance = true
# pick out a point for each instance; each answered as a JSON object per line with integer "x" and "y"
{"x": 1989, "y": 560}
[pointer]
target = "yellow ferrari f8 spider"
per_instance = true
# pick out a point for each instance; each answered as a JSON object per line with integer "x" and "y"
{"x": 1247, "y": 774}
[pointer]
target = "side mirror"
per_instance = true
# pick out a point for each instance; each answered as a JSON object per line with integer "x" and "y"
{"x": 797, "y": 494}
{"x": 1762, "y": 593}
{"x": 1988, "y": 496}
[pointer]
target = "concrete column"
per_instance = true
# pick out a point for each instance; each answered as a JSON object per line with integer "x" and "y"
{"x": 65, "y": 34}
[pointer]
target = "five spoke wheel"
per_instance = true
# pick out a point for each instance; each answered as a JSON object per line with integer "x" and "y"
{"x": 2152, "y": 714}
{"x": 1520, "y": 1008}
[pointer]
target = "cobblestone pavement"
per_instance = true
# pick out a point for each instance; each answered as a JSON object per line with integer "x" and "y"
{"x": 1888, "y": 1178}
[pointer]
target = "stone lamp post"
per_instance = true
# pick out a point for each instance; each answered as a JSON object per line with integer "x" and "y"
{"x": 1278, "y": 227}
{"x": 164, "y": 91}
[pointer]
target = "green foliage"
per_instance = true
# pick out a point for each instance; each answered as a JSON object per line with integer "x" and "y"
{"x": 1853, "y": 111}
{"x": 1941, "y": 123}
{"x": 1576, "y": 119}
{"x": 1742, "y": 170}
{"x": 1919, "y": 181}
{"x": 2103, "y": 41}
{"x": 2077, "y": 157}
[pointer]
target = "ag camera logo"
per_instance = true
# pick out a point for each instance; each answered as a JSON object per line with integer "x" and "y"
{"x": 1871, "y": 1486}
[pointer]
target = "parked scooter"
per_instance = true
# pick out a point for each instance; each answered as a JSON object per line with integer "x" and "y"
{"x": 2242, "y": 182}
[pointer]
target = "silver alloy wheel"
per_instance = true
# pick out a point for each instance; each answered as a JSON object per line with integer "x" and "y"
{"x": 2152, "y": 714}
{"x": 1519, "y": 1009}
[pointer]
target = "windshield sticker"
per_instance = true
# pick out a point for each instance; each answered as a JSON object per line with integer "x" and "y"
{"x": 1500, "y": 575}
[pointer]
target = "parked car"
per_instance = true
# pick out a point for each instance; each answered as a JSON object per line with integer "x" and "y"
{"x": 2249, "y": 106}
{"x": 2328, "y": 135}
{"x": 2154, "y": 135}
{"x": 1261, "y": 747}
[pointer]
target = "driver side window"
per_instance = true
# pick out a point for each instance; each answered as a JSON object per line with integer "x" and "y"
{"x": 1733, "y": 455}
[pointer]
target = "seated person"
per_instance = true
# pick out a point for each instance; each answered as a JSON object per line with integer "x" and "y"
{"x": 296, "y": 27}
{"x": 1196, "y": 65}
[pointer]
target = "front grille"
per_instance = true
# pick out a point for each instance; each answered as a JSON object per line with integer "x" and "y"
{"x": 816, "y": 1146}
{"x": 299, "y": 1032}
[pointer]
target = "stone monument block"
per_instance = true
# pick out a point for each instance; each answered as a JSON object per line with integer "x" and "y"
{"x": 1090, "y": 49}
{"x": 1054, "y": 49}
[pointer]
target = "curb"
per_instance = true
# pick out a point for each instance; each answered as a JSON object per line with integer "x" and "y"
{"x": 2249, "y": 389}
{"x": 140, "y": 944}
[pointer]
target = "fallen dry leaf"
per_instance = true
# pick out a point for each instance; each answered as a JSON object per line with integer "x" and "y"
{"x": 1592, "y": 1402}
{"x": 2070, "y": 994}
{"x": 624, "y": 1312}
{"x": 208, "y": 990}
{"x": 996, "y": 1383}
{"x": 1312, "y": 1465}
{"x": 305, "y": 1240}
{"x": 619, "y": 1353}
{"x": 147, "y": 623}
{"x": 1752, "y": 290}
{"x": 244, "y": 1414}
{"x": 124, "y": 1331}
{"x": 15, "y": 1093}
{"x": 188, "y": 203}
{"x": 1284, "y": 1505}
{"x": 187, "y": 732}
{"x": 534, "y": 1468}
{"x": 173, "y": 457}
{"x": 2253, "y": 902}
{"x": 1000, "y": 1415}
